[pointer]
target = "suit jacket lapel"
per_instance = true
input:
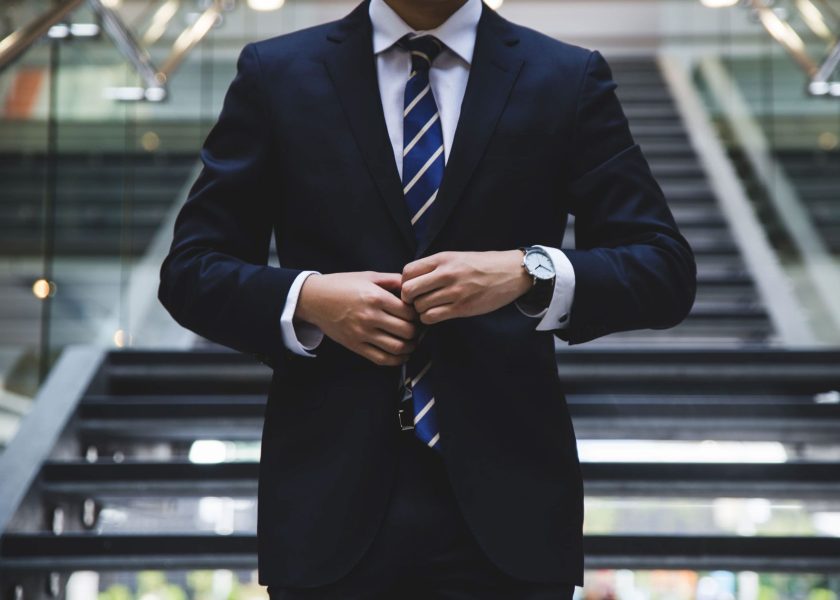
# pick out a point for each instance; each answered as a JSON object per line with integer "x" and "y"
{"x": 352, "y": 68}
{"x": 492, "y": 74}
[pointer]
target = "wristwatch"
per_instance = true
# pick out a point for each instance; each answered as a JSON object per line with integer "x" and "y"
{"x": 538, "y": 264}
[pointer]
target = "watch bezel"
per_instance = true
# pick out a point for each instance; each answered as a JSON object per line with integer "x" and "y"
{"x": 530, "y": 250}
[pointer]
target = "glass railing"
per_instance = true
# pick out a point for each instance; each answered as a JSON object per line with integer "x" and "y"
{"x": 762, "y": 84}
{"x": 101, "y": 120}
{"x": 807, "y": 30}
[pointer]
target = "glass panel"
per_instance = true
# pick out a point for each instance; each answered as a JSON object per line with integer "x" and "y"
{"x": 773, "y": 98}
{"x": 91, "y": 182}
{"x": 26, "y": 193}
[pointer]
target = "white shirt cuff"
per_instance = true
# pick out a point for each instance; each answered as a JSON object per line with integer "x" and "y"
{"x": 301, "y": 337}
{"x": 557, "y": 314}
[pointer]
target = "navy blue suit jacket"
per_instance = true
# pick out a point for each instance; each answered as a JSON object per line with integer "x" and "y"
{"x": 301, "y": 151}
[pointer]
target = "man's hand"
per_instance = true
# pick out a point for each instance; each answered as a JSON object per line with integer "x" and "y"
{"x": 448, "y": 285}
{"x": 361, "y": 311}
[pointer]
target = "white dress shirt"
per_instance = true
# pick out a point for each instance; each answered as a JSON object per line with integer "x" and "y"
{"x": 448, "y": 78}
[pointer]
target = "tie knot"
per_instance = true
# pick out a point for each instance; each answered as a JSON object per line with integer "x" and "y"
{"x": 423, "y": 48}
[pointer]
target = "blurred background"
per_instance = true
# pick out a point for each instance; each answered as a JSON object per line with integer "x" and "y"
{"x": 129, "y": 447}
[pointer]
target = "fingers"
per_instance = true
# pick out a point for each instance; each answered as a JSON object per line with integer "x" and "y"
{"x": 390, "y": 344}
{"x": 388, "y": 281}
{"x": 391, "y": 302}
{"x": 386, "y": 349}
{"x": 434, "y": 298}
{"x": 406, "y": 330}
{"x": 423, "y": 292}
{"x": 381, "y": 357}
{"x": 421, "y": 266}
{"x": 394, "y": 306}
{"x": 424, "y": 284}
{"x": 438, "y": 314}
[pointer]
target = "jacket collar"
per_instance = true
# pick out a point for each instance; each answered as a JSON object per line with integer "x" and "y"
{"x": 457, "y": 33}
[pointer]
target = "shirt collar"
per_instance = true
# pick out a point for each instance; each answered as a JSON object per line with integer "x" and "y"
{"x": 457, "y": 33}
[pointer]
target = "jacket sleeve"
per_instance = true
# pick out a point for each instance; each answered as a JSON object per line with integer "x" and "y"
{"x": 215, "y": 280}
{"x": 633, "y": 268}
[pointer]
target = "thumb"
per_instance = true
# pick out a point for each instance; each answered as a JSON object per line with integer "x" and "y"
{"x": 389, "y": 281}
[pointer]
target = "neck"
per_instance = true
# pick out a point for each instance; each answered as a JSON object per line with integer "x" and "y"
{"x": 422, "y": 15}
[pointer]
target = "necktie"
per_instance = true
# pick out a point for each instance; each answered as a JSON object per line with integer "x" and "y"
{"x": 423, "y": 162}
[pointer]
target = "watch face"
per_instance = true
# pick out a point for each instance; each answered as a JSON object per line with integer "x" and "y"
{"x": 539, "y": 265}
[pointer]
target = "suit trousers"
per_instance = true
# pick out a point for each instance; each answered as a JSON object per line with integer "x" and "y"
{"x": 424, "y": 549}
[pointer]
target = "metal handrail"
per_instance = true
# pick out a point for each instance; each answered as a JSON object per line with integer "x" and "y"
{"x": 17, "y": 42}
{"x": 41, "y": 428}
{"x": 154, "y": 80}
{"x": 190, "y": 37}
{"x": 785, "y": 35}
{"x": 820, "y": 79}
{"x": 814, "y": 18}
{"x": 819, "y": 75}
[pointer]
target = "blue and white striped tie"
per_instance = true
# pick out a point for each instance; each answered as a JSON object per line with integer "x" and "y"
{"x": 423, "y": 162}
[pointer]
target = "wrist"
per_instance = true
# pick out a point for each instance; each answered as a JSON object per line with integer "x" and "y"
{"x": 308, "y": 299}
{"x": 523, "y": 281}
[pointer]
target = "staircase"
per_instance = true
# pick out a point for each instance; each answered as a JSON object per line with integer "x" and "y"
{"x": 122, "y": 199}
{"x": 149, "y": 462}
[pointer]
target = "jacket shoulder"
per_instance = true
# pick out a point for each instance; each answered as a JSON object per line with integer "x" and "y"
{"x": 538, "y": 46}
{"x": 303, "y": 43}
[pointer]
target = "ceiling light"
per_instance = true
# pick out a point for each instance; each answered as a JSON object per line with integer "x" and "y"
{"x": 59, "y": 31}
{"x": 122, "y": 338}
{"x": 265, "y": 5}
{"x": 125, "y": 93}
{"x": 818, "y": 88}
{"x": 43, "y": 289}
{"x": 718, "y": 3}
{"x": 84, "y": 30}
{"x": 155, "y": 94}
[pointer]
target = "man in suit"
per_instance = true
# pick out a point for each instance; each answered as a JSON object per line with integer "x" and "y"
{"x": 416, "y": 162}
